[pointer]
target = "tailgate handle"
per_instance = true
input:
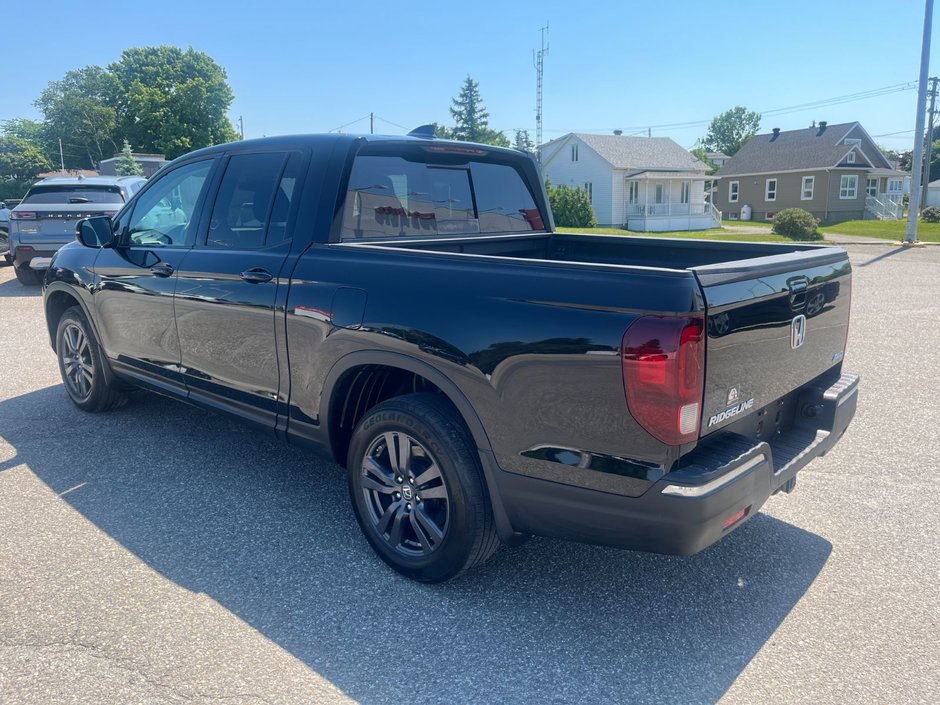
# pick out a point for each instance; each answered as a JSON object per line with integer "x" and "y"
{"x": 798, "y": 287}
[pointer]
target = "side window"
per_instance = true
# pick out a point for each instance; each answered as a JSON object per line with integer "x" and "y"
{"x": 163, "y": 215}
{"x": 285, "y": 200}
{"x": 246, "y": 195}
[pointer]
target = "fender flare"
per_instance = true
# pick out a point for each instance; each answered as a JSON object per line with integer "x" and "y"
{"x": 457, "y": 398}
{"x": 69, "y": 290}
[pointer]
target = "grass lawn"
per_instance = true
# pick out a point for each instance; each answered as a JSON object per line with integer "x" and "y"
{"x": 748, "y": 223}
{"x": 884, "y": 229}
{"x": 713, "y": 234}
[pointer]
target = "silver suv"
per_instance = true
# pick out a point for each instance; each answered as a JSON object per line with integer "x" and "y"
{"x": 45, "y": 220}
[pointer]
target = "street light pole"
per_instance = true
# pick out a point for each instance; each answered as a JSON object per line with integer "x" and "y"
{"x": 918, "y": 156}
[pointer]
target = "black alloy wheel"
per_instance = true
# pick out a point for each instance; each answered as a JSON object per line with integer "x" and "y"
{"x": 417, "y": 488}
{"x": 81, "y": 364}
{"x": 404, "y": 494}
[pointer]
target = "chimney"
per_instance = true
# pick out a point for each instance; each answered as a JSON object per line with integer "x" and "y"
{"x": 822, "y": 127}
{"x": 776, "y": 134}
{"x": 618, "y": 132}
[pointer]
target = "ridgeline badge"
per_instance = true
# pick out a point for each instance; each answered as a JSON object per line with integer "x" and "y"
{"x": 722, "y": 416}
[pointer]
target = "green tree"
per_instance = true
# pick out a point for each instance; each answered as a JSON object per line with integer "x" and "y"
{"x": 729, "y": 131}
{"x": 472, "y": 119}
{"x": 79, "y": 110}
{"x": 445, "y": 133}
{"x": 171, "y": 101}
{"x": 127, "y": 165}
{"x": 571, "y": 207}
{"x": 522, "y": 141}
{"x": 21, "y": 162}
{"x": 702, "y": 155}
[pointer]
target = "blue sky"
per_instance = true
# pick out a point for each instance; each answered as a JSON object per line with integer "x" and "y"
{"x": 312, "y": 67}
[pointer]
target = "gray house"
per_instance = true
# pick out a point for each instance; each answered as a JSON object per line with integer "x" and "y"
{"x": 836, "y": 172}
{"x": 149, "y": 163}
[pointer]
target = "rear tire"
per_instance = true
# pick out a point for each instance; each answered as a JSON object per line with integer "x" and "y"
{"x": 27, "y": 276}
{"x": 81, "y": 364}
{"x": 418, "y": 491}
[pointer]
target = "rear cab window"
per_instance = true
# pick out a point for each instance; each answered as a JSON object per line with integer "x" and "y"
{"x": 63, "y": 195}
{"x": 436, "y": 191}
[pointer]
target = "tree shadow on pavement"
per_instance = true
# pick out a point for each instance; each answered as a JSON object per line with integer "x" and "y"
{"x": 266, "y": 530}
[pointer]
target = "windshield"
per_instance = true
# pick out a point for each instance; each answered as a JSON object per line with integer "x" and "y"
{"x": 74, "y": 194}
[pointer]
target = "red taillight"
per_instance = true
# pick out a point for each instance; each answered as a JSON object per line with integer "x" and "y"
{"x": 664, "y": 376}
{"x": 735, "y": 518}
{"x": 23, "y": 215}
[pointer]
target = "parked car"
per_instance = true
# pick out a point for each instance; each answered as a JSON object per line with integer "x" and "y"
{"x": 5, "y": 232}
{"x": 45, "y": 219}
{"x": 405, "y": 306}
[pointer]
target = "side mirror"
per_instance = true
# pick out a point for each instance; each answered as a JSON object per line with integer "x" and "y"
{"x": 95, "y": 232}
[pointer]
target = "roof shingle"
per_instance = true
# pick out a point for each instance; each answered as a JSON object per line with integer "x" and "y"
{"x": 632, "y": 152}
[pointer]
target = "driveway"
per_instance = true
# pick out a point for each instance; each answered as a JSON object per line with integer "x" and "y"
{"x": 158, "y": 554}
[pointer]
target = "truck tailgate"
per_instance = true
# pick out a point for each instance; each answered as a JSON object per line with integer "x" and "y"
{"x": 773, "y": 324}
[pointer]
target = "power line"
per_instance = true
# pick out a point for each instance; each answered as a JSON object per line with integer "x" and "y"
{"x": 821, "y": 103}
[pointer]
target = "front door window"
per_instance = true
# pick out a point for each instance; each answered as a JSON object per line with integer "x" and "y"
{"x": 660, "y": 193}
{"x": 871, "y": 187}
{"x": 164, "y": 213}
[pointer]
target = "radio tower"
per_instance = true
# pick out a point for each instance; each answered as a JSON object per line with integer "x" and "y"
{"x": 539, "y": 57}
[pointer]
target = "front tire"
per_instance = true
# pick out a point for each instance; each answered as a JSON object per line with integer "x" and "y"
{"x": 418, "y": 491}
{"x": 81, "y": 364}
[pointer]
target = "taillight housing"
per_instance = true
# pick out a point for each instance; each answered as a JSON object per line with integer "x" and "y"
{"x": 664, "y": 375}
{"x": 23, "y": 215}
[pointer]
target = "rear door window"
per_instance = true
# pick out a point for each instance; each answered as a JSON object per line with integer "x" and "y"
{"x": 390, "y": 196}
{"x": 245, "y": 201}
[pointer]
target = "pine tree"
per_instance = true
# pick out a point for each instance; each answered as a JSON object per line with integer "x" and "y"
{"x": 523, "y": 141}
{"x": 472, "y": 119}
{"x": 127, "y": 165}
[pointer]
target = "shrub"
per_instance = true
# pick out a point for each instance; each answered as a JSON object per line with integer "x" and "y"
{"x": 796, "y": 224}
{"x": 571, "y": 207}
{"x": 930, "y": 214}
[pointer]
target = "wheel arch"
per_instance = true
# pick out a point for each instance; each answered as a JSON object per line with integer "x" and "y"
{"x": 60, "y": 297}
{"x": 346, "y": 367}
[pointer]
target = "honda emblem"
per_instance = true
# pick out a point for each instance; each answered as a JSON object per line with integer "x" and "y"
{"x": 797, "y": 331}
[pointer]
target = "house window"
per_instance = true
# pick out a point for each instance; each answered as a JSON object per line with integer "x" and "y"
{"x": 733, "y": 192}
{"x": 895, "y": 185}
{"x": 871, "y": 187}
{"x": 853, "y": 141}
{"x": 848, "y": 186}
{"x": 686, "y": 191}
{"x": 660, "y": 193}
{"x": 770, "y": 190}
{"x": 850, "y": 158}
{"x": 574, "y": 152}
{"x": 807, "y": 188}
{"x": 589, "y": 187}
{"x": 634, "y": 192}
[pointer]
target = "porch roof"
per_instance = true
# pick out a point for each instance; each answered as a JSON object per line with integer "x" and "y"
{"x": 888, "y": 172}
{"x": 651, "y": 174}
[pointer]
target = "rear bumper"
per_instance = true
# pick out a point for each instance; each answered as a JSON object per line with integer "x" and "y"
{"x": 689, "y": 508}
{"x": 24, "y": 256}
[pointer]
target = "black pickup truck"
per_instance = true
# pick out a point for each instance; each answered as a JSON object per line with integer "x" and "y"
{"x": 404, "y": 305}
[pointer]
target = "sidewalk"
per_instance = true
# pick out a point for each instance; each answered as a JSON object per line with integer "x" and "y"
{"x": 863, "y": 240}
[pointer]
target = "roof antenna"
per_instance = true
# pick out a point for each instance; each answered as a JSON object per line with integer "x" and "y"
{"x": 426, "y": 131}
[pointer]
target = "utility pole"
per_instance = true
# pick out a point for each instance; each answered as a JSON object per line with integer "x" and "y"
{"x": 241, "y": 126}
{"x": 371, "y": 123}
{"x": 61, "y": 156}
{"x": 539, "y": 70}
{"x": 932, "y": 93}
{"x": 917, "y": 162}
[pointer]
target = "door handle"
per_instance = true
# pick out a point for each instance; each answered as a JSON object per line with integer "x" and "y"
{"x": 162, "y": 269}
{"x": 257, "y": 275}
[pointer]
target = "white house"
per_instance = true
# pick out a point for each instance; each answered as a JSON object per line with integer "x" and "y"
{"x": 646, "y": 184}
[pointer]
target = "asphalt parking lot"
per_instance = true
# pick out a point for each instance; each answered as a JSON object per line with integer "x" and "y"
{"x": 157, "y": 554}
